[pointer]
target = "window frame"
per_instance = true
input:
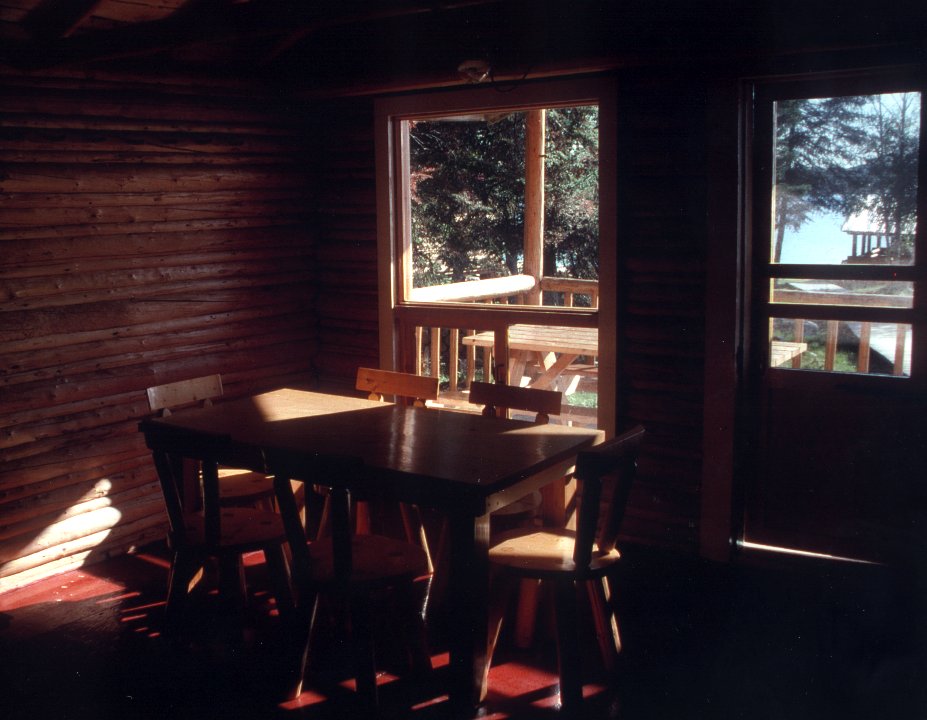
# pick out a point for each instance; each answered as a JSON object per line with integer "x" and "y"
{"x": 762, "y": 271}
{"x": 397, "y": 313}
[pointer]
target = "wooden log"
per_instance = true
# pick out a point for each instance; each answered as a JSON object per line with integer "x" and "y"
{"x": 182, "y": 111}
{"x": 289, "y": 210}
{"x": 240, "y": 330}
{"x": 177, "y": 279}
{"x": 533, "y": 262}
{"x": 94, "y": 230}
{"x": 58, "y": 493}
{"x": 80, "y": 244}
{"x": 37, "y": 518}
{"x": 148, "y": 527}
{"x": 164, "y": 125}
{"x": 199, "y": 144}
{"x": 132, "y": 282}
{"x": 31, "y": 475}
{"x": 41, "y": 329}
{"x": 84, "y": 521}
{"x": 75, "y": 177}
{"x": 109, "y": 545}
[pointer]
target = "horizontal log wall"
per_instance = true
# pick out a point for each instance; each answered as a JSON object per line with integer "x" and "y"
{"x": 346, "y": 243}
{"x": 148, "y": 233}
{"x": 662, "y": 236}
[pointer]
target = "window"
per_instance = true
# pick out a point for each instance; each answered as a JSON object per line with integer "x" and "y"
{"x": 843, "y": 207}
{"x": 511, "y": 197}
{"x": 489, "y": 217}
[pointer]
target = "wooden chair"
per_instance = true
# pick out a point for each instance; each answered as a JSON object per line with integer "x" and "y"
{"x": 379, "y": 384}
{"x": 237, "y": 487}
{"x": 199, "y": 529}
{"x": 351, "y": 570}
{"x": 588, "y": 556}
{"x": 496, "y": 398}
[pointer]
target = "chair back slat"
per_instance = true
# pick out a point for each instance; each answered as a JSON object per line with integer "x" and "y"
{"x": 495, "y": 396}
{"x": 378, "y": 383}
{"x": 184, "y": 392}
{"x": 605, "y": 473}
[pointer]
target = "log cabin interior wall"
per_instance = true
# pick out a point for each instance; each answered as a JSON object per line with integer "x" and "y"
{"x": 148, "y": 233}
{"x": 159, "y": 229}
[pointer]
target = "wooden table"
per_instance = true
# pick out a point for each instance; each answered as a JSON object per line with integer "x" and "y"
{"x": 462, "y": 464}
{"x": 555, "y": 347}
{"x": 781, "y": 352}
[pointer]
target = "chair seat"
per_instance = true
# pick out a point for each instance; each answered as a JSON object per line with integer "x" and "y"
{"x": 244, "y": 487}
{"x": 376, "y": 560}
{"x": 241, "y": 529}
{"x": 546, "y": 552}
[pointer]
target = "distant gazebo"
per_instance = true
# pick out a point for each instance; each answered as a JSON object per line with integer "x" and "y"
{"x": 871, "y": 237}
{"x": 873, "y": 240}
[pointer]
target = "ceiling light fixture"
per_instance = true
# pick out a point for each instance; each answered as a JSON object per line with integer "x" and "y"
{"x": 473, "y": 71}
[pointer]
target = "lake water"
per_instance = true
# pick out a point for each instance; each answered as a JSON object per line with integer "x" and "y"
{"x": 819, "y": 241}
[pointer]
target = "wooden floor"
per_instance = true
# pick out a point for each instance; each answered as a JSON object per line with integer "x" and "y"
{"x": 700, "y": 642}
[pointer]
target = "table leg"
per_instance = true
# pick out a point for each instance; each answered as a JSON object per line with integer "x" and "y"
{"x": 553, "y": 371}
{"x": 468, "y": 599}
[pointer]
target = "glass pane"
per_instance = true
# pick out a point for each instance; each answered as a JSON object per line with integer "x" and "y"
{"x": 856, "y": 293}
{"x": 845, "y": 182}
{"x": 834, "y": 346}
{"x": 471, "y": 190}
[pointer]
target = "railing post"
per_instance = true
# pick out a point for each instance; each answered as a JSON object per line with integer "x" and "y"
{"x": 862, "y": 359}
{"x": 500, "y": 359}
{"x": 901, "y": 337}
{"x": 418, "y": 350}
{"x": 436, "y": 352}
{"x": 799, "y": 336}
{"x": 471, "y": 360}
{"x": 830, "y": 350}
{"x": 453, "y": 358}
{"x": 535, "y": 125}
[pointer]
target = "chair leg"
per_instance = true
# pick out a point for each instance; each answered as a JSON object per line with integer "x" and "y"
{"x": 568, "y": 650}
{"x": 325, "y": 517}
{"x": 526, "y": 617}
{"x": 605, "y": 620}
{"x": 303, "y": 621}
{"x": 185, "y": 572}
{"x": 412, "y": 599}
{"x": 502, "y": 586}
{"x": 279, "y": 572}
{"x": 414, "y": 527}
{"x": 362, "y": 518}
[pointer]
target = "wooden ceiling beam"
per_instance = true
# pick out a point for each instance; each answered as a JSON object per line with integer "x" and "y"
{"x": 210, "y": 22}
{"x": 54, "y": 19}
{"x": 369, "y": 15}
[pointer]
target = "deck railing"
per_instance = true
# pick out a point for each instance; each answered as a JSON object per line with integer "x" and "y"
{"x": 429, "y": 341}
{"x": 897, "y": 353}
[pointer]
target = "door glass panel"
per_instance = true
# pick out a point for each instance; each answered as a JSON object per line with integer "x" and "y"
{"x": 845, "y": 182}
{"x": 840, "y": 346}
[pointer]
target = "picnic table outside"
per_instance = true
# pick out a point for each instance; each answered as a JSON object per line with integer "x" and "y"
{"x": 553, "y": 349}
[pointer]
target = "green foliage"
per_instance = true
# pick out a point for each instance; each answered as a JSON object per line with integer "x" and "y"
{"x": 467, "y": 178}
